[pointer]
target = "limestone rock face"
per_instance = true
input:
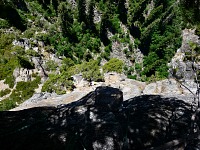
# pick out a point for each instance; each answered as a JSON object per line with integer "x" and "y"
{"x": 100, "y": 120}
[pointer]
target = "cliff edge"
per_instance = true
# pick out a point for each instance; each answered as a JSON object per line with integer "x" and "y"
{"x": 102, "y": 120}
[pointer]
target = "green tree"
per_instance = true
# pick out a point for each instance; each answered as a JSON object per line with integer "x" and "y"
{"x": 66, "y": 64}
{"x": 135, "y": 11}
{"x": 90, "y": 16}
{"x": 81, "y": 4}
{"x": 191, "y": 10}
{"x": 122, "y": 10}
{"x": 58, "y": 83}
{"x": 55, "y": 4}
{"x": 66, "y": 19}
{"x": 103, "y": 29}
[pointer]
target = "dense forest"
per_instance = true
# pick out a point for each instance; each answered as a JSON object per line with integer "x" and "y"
{"x": 83, "y": 34}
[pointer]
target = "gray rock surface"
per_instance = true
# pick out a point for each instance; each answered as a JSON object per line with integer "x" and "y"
{"x": 130, "y": 88}
{"x": 163, "y": 87}
{"x": 22, "y": 74}
{"x": 144, "y": 122}
{"x": 118, "y": 52}
{"x": 184, "y": 68}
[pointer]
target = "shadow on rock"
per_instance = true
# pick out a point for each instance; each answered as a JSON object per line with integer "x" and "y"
{"x": 100, "y": 120}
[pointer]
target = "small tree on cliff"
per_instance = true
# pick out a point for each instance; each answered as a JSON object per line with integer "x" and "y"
{"x": 192, "y": 56}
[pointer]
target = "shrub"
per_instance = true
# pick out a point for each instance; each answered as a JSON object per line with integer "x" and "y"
{"x": 51, "y": 65}
{"x": 132, "y": 77}
{"x": 6, "y": 40}
{"x": 66, "y": 63}
{"x": 10, "y": 80}
{"x": 4, "y": 92}
{"x": 42, "y": 37}
{"x": 7, "y": 104}
{"x": 23, "y": 91}
{"x": 32, "y": 53}
{"x": 58, "y": 83}
{"x": 6, "y": 70}
{"x": 138, "y": 67}
{"x": 4, "y": 24}
{"x": 115, "y": 24}
{"x": 91, "y": 71}
{"x": 19, "y": 50}
{"x": 113, "y": 64}
{"x": 29, "y": 33}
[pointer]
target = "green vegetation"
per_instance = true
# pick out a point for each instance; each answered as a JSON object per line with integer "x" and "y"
{"x": 190, "y": 11}
{"x": 51, "y": 65}
{"x": 4, "y": 24}
{"x": 23, "y": 91}
{"x": 113, "y": 65}
{"x": 73, "y": 33}
{"x": 8, "y": 61}
{"x": 4, "y": 92}
{"x": 91, "y": 71}
{"x": 62, "y": 82}
{"x": 58, "y": 83}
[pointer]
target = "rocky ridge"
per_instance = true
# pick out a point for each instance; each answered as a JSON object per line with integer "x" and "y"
{"x": 130, "y": 88}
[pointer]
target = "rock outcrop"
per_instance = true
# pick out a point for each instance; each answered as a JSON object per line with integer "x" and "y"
{"x": 184, "y": 67}
{"x": 101, "y": 120}
{"x": 164, "y": 87}
{"x": 130, "y": 88}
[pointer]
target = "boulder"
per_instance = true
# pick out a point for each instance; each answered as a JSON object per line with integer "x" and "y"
{"x": 150, "y": 89}
{"x": 3, "y": 86}
{"x": 131, "y": 88}
{"x": 22, "y": 74}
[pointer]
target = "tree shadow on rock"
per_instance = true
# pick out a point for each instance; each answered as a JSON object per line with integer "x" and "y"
{"x": 100, "y": 120}
{"x": 153, "y": 121}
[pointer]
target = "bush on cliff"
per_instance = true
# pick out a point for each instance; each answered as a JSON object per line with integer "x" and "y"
{"x": 22, "y": 92}
{"x": 113, "y": 64}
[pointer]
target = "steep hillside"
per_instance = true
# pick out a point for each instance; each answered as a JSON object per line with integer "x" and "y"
{"x": 43, "y": 43}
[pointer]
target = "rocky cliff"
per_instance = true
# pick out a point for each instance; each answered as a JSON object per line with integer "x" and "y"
{"x": 130, "y": 88}
{"x": 102, "y": 120}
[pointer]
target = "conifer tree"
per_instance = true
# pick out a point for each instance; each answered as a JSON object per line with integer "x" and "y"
{"x": 66, "y": 18}
{"x": 103, "y": 29}
{"x": 54, "y": 3}
{"x": 90, "y": 18}
{"x": 191, "y": 10}
{"x": 81, "y": 10}
{"x": 122, "y": 11}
